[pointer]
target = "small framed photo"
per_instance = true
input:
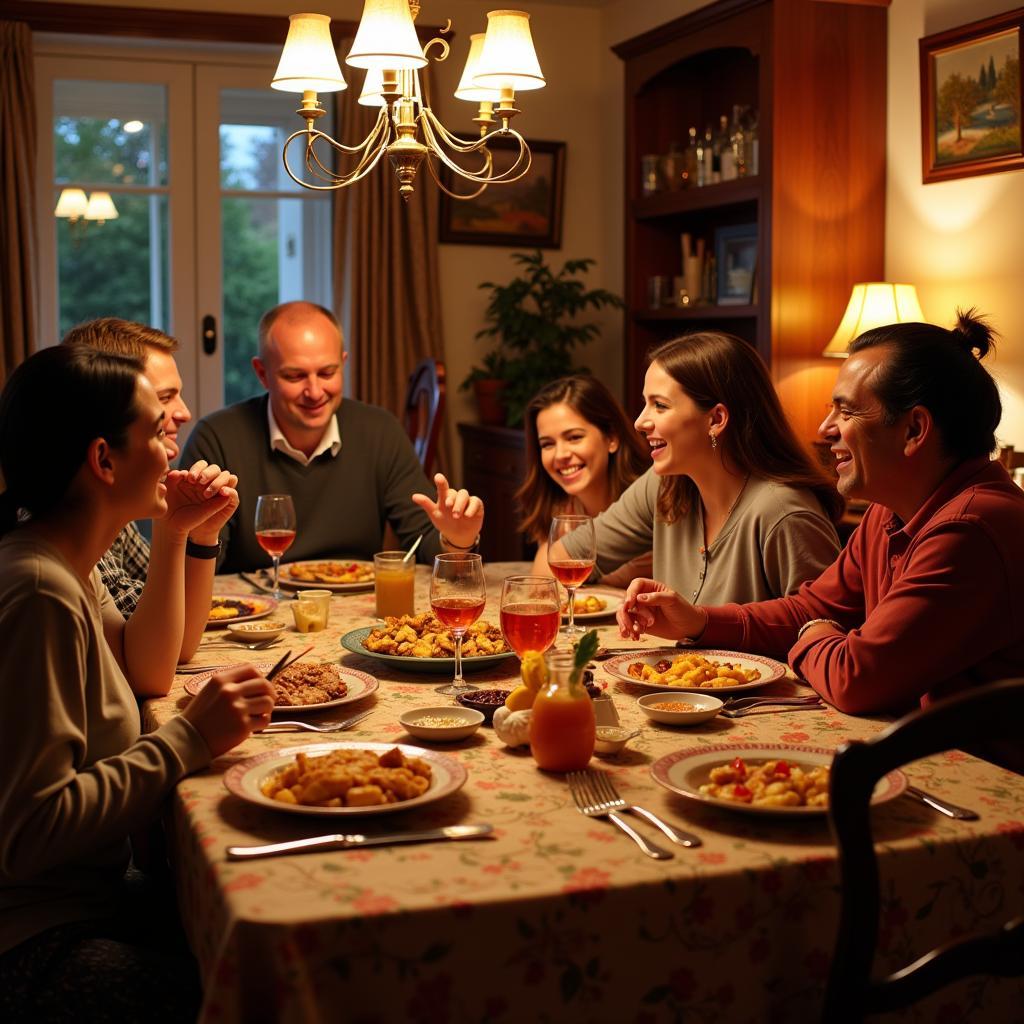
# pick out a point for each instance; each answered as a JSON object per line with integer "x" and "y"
{"x": 736, "y": 259}
{"x": 970, "y": 99}
{"x": 527, "y": 212}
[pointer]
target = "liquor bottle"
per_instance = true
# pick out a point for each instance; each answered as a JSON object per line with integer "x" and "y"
{"x": 673, "y": 168}
{"x": 692, "y": 161}
{"x": 709, "y": 158}
{"x": 723, "y": 149}
{"x": 739, "y": 142}
{"x": 753, "y": 146}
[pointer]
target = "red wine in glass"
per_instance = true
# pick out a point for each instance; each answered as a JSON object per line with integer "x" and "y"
{"x": 529, "y": 626}
{"x": 572, "y": 552}
{"x": 275, "y": 542}
{"x": 275, "y": 529}
{"x": 457, "y": 612}
{"x": 457, "y": 596}
{"x": 571, "y": 572}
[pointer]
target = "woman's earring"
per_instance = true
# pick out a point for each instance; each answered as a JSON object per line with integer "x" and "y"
{"x": 714, "y": 438}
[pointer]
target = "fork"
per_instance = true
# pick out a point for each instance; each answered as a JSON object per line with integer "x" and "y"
{"x": 753, "y": 709}
{"x": 609, "y": 797}
{"x": 741, "y": 703}
{"x": 345, "y": 723}
{"x": 588, "y": 803}
{"x": 232, "y": 645}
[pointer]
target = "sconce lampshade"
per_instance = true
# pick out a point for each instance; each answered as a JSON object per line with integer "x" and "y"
{"x": 308, "y": 61}
{"x": 386, "y": 38}
{"x": 372, "y": 94}
{"x": 508, "y": 57}
{"x": 101, "y": 207}
{"x": 874, "y": 304}
{"x": 468, "y": 89}
{"x": 71, "y": 204}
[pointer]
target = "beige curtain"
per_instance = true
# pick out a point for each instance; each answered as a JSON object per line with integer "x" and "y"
{"x": 17, "y": 196}
{"x": 386, "y": 264}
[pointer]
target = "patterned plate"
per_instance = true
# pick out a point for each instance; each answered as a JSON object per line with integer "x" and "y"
{"x": 685, "y": 771}
{"x": 288, "y": 580}
{"x": 353, "y": 641}
{"x": 769, "y": 668}
{"x": 244, "y": 779}
{"x": 261, "y": 607}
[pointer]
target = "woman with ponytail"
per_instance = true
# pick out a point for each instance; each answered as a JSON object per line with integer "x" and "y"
{"x": 81, "y": 455}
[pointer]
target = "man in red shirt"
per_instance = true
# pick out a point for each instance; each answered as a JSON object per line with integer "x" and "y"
{"x": 925, "y": 598}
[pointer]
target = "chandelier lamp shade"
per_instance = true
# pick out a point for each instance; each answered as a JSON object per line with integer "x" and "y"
{"x": 501, "y": 62}
{"x": 874, "y": 304}
{"x": 73, "y": 205}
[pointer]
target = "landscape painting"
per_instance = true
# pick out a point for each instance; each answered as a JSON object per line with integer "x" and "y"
{"x": 971, "y": 99}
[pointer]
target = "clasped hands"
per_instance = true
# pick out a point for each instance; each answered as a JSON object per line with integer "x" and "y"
{"x": 200, "y": 500}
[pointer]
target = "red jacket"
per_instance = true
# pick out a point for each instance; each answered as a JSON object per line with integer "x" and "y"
{"x": 930, "y": 607}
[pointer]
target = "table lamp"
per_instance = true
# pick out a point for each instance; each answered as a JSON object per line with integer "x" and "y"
{"x": 874, "y": 304}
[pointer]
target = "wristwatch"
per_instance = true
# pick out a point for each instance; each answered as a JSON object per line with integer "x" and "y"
{"x": 194, "y": 550}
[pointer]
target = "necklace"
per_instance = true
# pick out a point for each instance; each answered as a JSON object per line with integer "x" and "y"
{"x": 703, "y": 550}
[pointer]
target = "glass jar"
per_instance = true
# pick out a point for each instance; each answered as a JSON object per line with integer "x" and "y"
{"x": 562, "y": 729}
{"x": 650, "y": 174}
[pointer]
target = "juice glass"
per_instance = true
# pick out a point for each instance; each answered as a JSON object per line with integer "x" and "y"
{"x": 529, "y": 612}
{"x": 562, "y": 728}
{"x": 394, "y": 582}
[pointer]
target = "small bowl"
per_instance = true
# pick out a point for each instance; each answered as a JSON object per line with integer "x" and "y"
{"x": 255, "y": 631}
{"x": 484, "y": 701}
{"x": 471, "y": 721}
{"x": 612, "y": 739}
{"x": 706, "y": 705}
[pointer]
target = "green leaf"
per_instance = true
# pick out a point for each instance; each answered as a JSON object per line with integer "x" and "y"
{"x": 585, "y": 651}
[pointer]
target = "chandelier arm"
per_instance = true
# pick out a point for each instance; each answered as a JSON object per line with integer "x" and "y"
{"x": 373, "y": 148}
{"x": 453, "y": 142}
{"x": 432, "y": 128}
{"x": 431, "y": 162}
{"x": 442, "y": 43}
{"x": 484, "y": 174}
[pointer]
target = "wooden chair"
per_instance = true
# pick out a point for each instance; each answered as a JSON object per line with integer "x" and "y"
{"x": 995, "y": 711}
{"x": 424, "y": 409}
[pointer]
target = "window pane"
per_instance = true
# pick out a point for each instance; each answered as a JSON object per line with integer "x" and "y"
{"x": 117, "y": 268}
{"x": 110, "y": 133}
{"x": 274, "y": 250}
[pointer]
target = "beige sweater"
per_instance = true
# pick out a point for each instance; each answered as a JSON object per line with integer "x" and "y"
{"x": 76, "y": 775}
{"x": 776, "y": 538}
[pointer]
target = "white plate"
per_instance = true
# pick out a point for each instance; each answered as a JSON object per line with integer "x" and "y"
{"x": 263, "y": 605}
{"x": 338, "y": 588}
{"x": 685, "y": 771}
{"x": 359, "y": 684}
{"x": 769, "y": 668}
{"x": 614, "y": 603}
{"x": 244, "y": 779}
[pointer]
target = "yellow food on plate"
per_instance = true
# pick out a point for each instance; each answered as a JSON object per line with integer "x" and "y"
{"x": 775, "y": 783}
{"x": 329, "y": 572}
{"x": 588, "y": 605}
{"x": 692, "y": 670}
{"x": 222, "y": 608}
{"x": 425, "y": 636}
{"x": 349, "y": 778}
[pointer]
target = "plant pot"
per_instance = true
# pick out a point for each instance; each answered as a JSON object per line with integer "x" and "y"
{"x": 490, "y": 407}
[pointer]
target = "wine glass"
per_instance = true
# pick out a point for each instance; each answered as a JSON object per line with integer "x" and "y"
{"x": 275, "y": 529}
{"x": 572, "y": 562}
{"x": 529, "y": 613}
{"x": 457, "y": 596}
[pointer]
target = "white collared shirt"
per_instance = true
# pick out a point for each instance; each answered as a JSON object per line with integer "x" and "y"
{"x": 331, "y": 439}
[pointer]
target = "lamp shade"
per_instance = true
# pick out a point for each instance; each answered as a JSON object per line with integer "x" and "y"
{"x": 386, "y": 38}
{"x": 308, "y": 61}
{"x": 468, "y": 89}
{"x": 508, "y": 57}
{"x": 372, "y": 94}
{"x": 874, "y": 304}
{"x": 101, "y": 207}
{"x": 71, "y": 204}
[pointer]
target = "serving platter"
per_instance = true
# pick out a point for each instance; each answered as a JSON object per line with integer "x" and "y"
{"x": 685, "y": 771}
{"x": 287, "y": 579}
{"x": 245, "y": 778}
{"x": 353, "y": 641}
{"x": 770, "y": 669}
{"x": 262, "y": 607}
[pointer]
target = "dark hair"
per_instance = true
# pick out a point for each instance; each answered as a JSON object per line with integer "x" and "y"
{"x": 122, "y": 337}
{"x": 712, "y": 367}
{"x": 54, "y": 405}
{"x": 539, "y": 495}
{"x": 936, "y": 368}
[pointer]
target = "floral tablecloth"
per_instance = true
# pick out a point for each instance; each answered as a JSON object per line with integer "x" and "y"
{"x": 560, "y": 917}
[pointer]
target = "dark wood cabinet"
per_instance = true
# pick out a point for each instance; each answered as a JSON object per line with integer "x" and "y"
{"x": 493, "y": 468}
{"x": 816, "y": 74}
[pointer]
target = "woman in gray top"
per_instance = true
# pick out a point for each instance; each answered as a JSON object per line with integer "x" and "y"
{"x": 734, "y": 508}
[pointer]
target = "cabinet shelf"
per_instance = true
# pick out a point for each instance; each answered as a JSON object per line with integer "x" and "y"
{"x": 669, "y": 204}
{"x": 681, "y": 313}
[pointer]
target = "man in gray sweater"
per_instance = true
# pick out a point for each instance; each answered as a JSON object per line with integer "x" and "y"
{"x": 348, "y": 466}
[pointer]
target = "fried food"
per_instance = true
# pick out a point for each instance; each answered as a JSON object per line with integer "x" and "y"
{"x": 692, "y": 670}
{"x": 329, "y": 572}
{"x": 308, "y": 683}
{"x": 349, "y": 778}
{"x": 775, "y": 783}
{"x": 222, "y": 608}
{"x": 425, "y": 636}
{"x": 588, "y": 605}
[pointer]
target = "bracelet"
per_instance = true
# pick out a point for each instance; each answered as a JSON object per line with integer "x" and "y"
{"x": 818, "y": 622}
{"x": 459, "y": 547}
{"x": 194, "y": 550}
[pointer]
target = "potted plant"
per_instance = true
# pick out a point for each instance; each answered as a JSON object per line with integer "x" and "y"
{"x": 533, "y": 319}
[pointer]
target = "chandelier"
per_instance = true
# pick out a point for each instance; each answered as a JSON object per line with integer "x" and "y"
{"x": 500, "y": 61}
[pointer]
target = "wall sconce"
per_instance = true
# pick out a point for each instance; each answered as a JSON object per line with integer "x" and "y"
{"x": 874, "y": 304}
{"x": 74, "y": 205}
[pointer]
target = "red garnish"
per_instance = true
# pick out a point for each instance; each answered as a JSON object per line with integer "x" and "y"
{"x": 741, "y": 792}
{"x": 739, "y": 766}
{"x": 782, "y": 768}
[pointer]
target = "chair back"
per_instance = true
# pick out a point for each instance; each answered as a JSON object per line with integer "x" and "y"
{"x": 995, "y": 711}
{"x": 424, "y": 409}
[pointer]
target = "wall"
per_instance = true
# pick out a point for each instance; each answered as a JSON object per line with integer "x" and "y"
{"x": 958, "y": 241}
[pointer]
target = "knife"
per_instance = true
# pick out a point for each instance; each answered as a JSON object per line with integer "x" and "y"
{"x": 942, "y": 806}
{"x": 352, "y": 842}
{"x": 249, "y": 578}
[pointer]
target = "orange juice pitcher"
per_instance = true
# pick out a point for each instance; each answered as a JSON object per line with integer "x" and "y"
{"x": 562, "y": 719}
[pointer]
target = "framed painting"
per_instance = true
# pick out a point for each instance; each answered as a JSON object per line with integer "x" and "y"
{"x": 970, "y": 99}
{"x": 527, "y": 212}
{"x": 736, "y": 260}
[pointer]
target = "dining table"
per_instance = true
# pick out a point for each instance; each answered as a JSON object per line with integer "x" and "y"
{"x": 557, "y": 916}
